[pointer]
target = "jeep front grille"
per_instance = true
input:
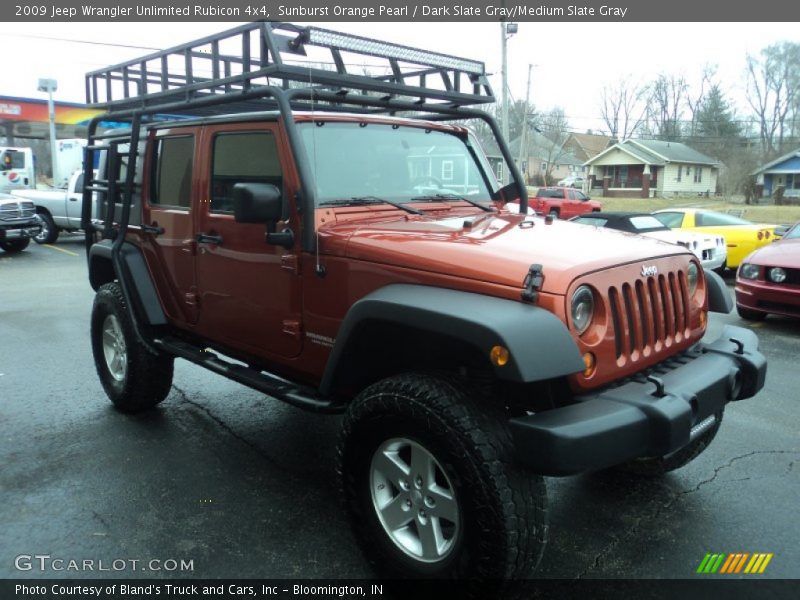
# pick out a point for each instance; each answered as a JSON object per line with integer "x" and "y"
{"x": 649, "y": 315}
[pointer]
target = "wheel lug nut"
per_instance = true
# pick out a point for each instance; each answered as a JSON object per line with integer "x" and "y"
{"x": 419, "y": 481}
{"x": 429, "y": 501}
{"x": 408, "y": 503}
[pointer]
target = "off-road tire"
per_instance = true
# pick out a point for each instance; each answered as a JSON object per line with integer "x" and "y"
{"x": 49, "y": 232}
{"x": 655, "y": 467}
{"x": 555, "y": 213}
{"x": 14, "y": 246}
{"x": 145, "y": 378}
{"x": 503, "y": 515}
{"x": 750, "y": 315}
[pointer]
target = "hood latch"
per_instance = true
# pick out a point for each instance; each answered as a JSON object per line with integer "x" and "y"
{"x": 532, "y": 283}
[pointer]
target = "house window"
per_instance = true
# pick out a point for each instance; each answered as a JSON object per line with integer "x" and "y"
{"x": 447, "y": 170}
{"x": 544, "y": 166}
{"x": 680, "y": 168}
{"x": 698, "y": 174}
{"x": 499, "y": 170}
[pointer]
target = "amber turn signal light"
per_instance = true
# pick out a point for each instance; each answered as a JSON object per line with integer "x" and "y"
{"x": 590, "y": 363}
{"x": 499, "y": 356}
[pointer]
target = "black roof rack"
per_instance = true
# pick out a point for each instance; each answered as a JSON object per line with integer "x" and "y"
{"x": 228, "y": 67}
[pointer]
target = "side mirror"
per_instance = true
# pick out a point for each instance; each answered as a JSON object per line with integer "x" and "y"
{"x": 256, "y": 203}
{"x": 261, "y": 203}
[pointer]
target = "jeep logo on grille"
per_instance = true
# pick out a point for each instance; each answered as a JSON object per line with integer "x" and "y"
{"x": 649, "y": 271}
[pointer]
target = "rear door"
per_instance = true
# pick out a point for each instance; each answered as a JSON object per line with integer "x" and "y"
{"x": 250, "y": 294}
{"x": 168, "y": 211}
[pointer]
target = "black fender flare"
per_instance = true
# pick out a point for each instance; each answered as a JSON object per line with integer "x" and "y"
{"x": 540, "y": 345}
{"x": 719, "y": 300}
{"x": 145, "y": 301}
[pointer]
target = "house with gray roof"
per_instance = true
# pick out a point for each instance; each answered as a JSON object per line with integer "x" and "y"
{"x": 784, "y": 172}
{"x": 645, "y": 168}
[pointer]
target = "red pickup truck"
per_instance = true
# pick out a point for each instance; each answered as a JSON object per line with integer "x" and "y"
{"x": 563, "y": 202}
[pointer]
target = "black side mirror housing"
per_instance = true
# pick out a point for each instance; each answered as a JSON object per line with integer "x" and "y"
{"x": 261, "y": 203}
{"x": 256, "y": 203}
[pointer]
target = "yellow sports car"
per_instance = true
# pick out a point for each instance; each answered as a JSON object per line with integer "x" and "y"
{"x": 742, "y": 237}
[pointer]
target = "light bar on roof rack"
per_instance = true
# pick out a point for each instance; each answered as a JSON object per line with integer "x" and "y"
{"x": 354, "y": 43}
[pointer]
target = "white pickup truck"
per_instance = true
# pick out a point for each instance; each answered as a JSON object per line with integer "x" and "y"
{"x": 58, "y": 210}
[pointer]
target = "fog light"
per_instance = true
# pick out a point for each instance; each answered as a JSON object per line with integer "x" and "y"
{"x": 590, "y": 363}
{"x": 499, "y": 356}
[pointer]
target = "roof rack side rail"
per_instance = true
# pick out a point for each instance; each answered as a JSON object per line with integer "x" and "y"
{"x": 284, "y": 55}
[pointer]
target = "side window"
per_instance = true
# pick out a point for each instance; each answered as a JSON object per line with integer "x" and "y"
{"x": 670, "y": 219}
{"x": 173, "y": 180}
{"x": 248, "y": 157}
{"x": 572, "y": 195}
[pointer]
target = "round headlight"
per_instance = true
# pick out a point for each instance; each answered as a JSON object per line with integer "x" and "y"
{"x": 692, "y": 276}
{"x": 582, "y": 309}
{"x": 748, "y": 271}
{"x": 777, "y": 274}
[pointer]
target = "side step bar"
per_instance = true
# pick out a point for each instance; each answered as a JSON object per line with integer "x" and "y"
{"x": 297, "y": 395}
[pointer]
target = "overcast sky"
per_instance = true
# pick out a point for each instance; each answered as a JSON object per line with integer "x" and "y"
{"x": 574, "y": 60}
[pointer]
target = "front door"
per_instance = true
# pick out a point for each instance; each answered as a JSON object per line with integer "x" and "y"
{"x": 249, "y": 290}
{"x": 168, "y": 210}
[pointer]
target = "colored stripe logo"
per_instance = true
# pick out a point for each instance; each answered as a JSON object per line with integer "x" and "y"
{"x": 737, "y": 562}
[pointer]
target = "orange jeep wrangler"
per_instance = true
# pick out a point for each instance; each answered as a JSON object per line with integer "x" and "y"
{"x": 338, "y": 241}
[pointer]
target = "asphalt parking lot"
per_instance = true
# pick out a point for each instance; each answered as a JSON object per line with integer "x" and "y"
{"x": 244, "y": 487}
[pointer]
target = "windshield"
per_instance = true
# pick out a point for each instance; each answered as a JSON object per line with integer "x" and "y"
{"x": 647, "y": 223}
{"x": 393, "y": 162}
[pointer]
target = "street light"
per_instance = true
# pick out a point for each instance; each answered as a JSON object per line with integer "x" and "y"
{"x": 506, "y": 31}
{"x": 50, "y": 86}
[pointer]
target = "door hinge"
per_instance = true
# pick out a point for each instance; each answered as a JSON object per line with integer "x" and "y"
{"x": 292, "y": 327}
{"x": 289, "y": 263}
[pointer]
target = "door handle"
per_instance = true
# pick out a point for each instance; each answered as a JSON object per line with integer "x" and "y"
{"x": 154, "y": 229}
{"x": 204, "y": 238}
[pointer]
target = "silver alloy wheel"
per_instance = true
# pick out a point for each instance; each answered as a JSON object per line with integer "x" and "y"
{"x": 114, "y": 349}
{"x": 44, "y": 232}
{"x": 414, "y": 500}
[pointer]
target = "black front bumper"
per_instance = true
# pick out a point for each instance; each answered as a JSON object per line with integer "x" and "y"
{"x": 643, "y": 418}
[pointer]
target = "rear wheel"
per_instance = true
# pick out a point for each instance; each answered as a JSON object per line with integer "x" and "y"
{"x": 133, "y": 377}
{"x": 14, "y": 246}
{"x": 431, "y": 487}
{"x": 750, "y": 314}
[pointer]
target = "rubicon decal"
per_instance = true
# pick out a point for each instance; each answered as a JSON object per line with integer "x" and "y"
{"x": 737, "y": 562}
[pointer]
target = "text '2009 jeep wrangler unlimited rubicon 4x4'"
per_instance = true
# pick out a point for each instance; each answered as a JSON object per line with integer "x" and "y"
{"x": 292, "y": 232}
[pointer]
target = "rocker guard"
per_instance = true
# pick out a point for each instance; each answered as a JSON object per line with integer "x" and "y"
{"x": 616, "y": 425}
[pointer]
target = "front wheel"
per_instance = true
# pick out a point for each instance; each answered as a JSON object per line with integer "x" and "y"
{"x": 133, "y": 377}
{"x": 14, "y": 246}
{"x": 49, "y": 232}
{"x": 428, "y": 477}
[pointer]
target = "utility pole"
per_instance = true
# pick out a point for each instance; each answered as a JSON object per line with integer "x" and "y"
{"x": 506, "y": 31}
{"x": 523, "y": 141}
{"x": 50, "y": 86}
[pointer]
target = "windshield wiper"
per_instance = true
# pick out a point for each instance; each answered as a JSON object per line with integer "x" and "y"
{"x": 362, "y": 200}
{"x": 457, "y": 197}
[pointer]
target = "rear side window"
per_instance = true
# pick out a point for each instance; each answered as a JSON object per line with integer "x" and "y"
{"x": 550, "y": 194}
{"x": 173, "y": 181}
{"x": 670, "y": 219}
{"x": 250, "y": 157}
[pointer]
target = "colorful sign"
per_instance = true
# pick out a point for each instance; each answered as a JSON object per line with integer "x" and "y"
{"x": 738, "y": 562}
{"x": 25, "y": 109}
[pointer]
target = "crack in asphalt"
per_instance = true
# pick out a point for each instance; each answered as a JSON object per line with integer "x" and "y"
{"x": 635, "y": 526}
{"x": 99, "y": 517}
{"x": 228, "y": 429}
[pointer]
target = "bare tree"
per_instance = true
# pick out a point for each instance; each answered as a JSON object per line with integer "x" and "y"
{"x": 623, "y": 108}
{"x": 554, "y": 127}
{"x": 772, "y": 92}
{"x": 697, "y": 100}
{"x": 665, "y": 105}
